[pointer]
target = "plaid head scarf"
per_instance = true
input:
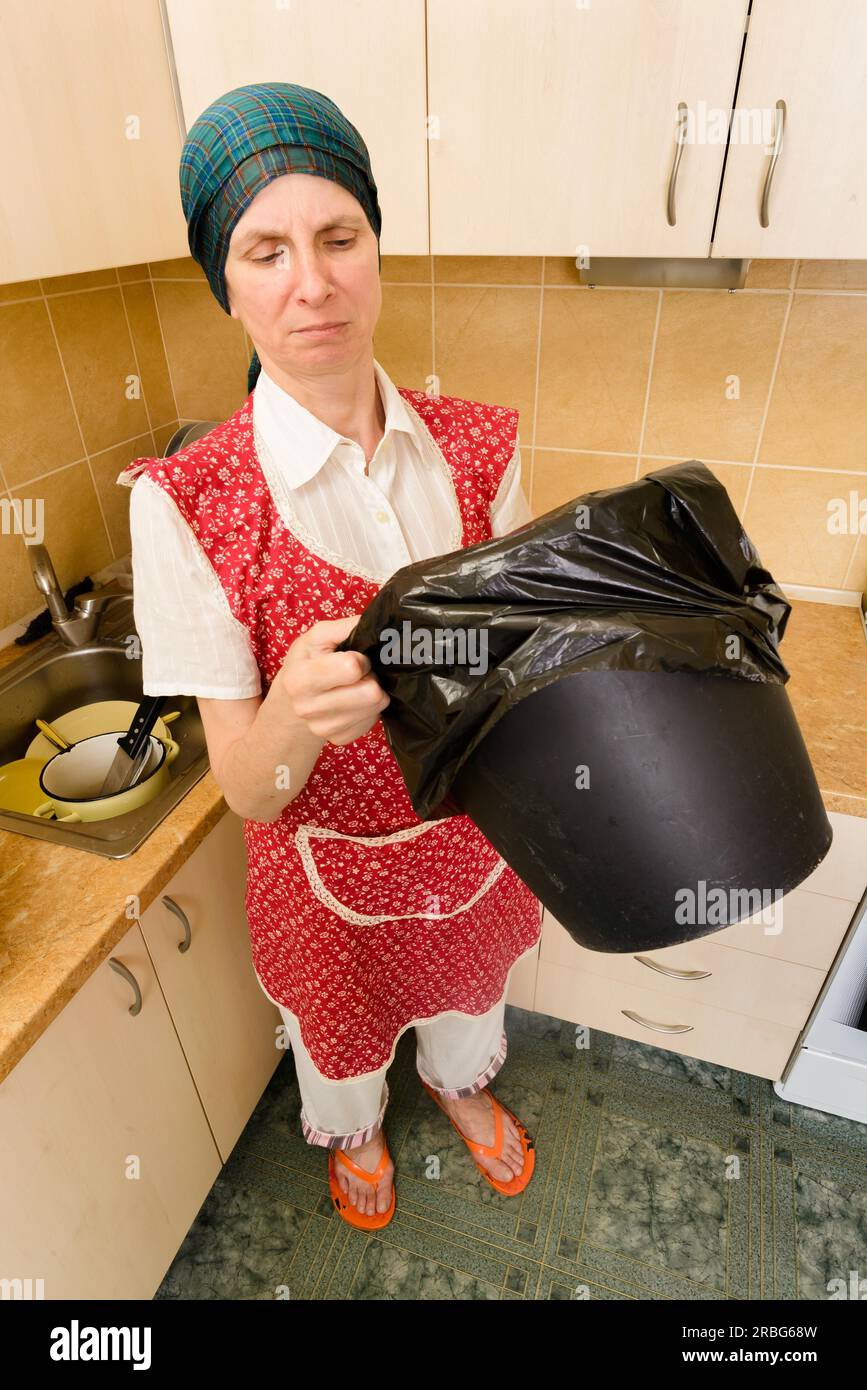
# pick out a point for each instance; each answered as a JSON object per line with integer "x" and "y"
{"x": 246, "y": 138}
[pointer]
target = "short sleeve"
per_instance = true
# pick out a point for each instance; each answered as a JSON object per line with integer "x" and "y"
{"x": 192, "y": 644}
{"x": 509, "y": 508}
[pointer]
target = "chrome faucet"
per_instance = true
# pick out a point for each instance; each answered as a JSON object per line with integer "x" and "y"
{"x": 77, "y": 628}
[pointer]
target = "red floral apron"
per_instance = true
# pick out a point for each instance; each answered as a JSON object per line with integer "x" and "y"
{"x": 363, "y": 919}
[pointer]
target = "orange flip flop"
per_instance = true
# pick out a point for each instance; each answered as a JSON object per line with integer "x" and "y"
{"x": 495, "y": 1150}
{"x": 348, "y": 1210}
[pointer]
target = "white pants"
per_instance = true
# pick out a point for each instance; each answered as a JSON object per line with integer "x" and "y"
{"x": 456, "y": 1054}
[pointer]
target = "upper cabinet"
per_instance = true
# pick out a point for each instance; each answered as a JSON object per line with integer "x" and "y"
{"x": 554, "y": 124}
{"x": 813, "y": 58}
{"x": 91, "y": 141}
{"x": 495, "y": 127}
{"x": 368, "y": 57}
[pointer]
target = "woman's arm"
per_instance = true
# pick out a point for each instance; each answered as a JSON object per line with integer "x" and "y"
{"x": 263, "y": 751}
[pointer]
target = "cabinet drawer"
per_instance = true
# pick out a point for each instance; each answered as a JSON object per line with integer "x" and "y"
{"x": 755, "y": 1045}
{"x": 736, "y": 980}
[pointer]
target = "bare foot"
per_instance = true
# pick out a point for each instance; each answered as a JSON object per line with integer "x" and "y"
{"x": 475, "y": 1116}
{"x": 367, "y": 1197}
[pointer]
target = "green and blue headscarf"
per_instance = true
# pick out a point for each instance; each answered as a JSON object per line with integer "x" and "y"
{"x": 246, "y": 138}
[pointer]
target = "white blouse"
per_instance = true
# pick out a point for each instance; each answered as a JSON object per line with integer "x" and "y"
{"x": 404, "y": 510}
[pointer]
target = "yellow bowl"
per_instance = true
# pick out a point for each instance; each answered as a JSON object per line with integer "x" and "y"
{"x": 102, "y": 717}
{"x": 19, "y": 785}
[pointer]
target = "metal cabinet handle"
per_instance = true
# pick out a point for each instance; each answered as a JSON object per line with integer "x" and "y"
{"x": 682, "y": 113}
{"x": 779, "y": 123}
{"x": 672, "y": 972}
{"x": 184, "y": 921}
{"x": 121, "y": 969}
{"x": 657, "y": 1027}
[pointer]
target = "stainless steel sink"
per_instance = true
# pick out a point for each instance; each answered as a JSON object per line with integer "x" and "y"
{"x": 55, "y": 679}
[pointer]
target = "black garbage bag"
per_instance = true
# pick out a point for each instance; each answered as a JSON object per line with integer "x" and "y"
{"x": 601, "y": 691}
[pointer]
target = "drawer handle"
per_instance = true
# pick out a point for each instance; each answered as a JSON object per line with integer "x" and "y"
{"x": 184, "y": 921}
{"x": 670, "y": 970}
{"x": 779, "y": 126}
{"x": 130, "y": 978}
{"x": 657, "y": 1027}
{"x": 682, "y": 113}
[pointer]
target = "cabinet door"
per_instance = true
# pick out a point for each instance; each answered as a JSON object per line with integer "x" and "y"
{"x": 368, "y": 58}
{"x": 814, "y": 58}
{"x": 553, "y": 124}
{"x": 225, "y": 1022}
{"x": 105, "y": 1152}
{"x": 91, "y": 141}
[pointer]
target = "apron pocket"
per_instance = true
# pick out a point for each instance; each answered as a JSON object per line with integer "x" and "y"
{"x": 434, "y": 870}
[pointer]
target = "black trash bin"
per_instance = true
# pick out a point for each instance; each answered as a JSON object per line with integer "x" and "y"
{"x": 630, "y": 748}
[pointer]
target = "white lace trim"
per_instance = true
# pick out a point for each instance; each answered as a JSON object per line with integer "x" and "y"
{"x": 302, "y": 843}
{"x": 280, "y": 498}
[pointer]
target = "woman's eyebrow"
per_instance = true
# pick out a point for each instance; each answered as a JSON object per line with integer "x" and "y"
{"x": 255, "y": 234}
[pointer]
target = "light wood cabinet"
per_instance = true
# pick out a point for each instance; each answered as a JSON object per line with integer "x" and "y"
{"x": 739, "y": 997}
{"x": 814, "y": 58}
{"x": 91, "y": 140}
{"x": 105, "y": 1151}
{"x": 114, "y": 1126}
{"x": 225, "y": 1023}
{"x": 368, "y": 58}
{"x": 554, "y": 124}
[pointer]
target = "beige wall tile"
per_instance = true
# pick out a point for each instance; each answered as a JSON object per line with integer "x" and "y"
{"x": 769, "y": 275}
{"x": 162, "y": 435}
{"x": 561, "y": 270}
{"x": 735, "y": 478}
{"x": 87, "y": 280}
{"x": 558, "y": 477}
{"x": 857, "y": 576}
{"x": 832, "y": 275}
{"x": 486, "y": 347}
{"x": 98, "y": 356}
{"x": 113, "y": 497}
{"x": 127, "y": 274}
{"x": 787, "y": 520}
{"x": 594, "y": 362}
{"x": 148, "y": 342}
{"x": 705, "y": 338}
{"x": 183, "y": 268}
{"x": 22, "y": 289}
{"x": 75, "y": 534}
{"x": 37, "y": 421}
{"x": 818, "y": 411}
{"x": 488, "y": 270}
{"x": 18, "y": 593}
{"x": 405, "y": 270}
{"x": 205, "y": 348}
{"x": 402, "y": 340}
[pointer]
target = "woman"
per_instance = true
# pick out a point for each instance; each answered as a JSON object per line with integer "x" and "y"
{"x": 255, "y": 550}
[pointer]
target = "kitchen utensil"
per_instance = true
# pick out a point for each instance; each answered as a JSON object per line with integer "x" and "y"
{"x": 100, "y": 717}
{"x": 133, "y": 747}
{"x": 68, "y": 780}
{"x": 56, "y": 738}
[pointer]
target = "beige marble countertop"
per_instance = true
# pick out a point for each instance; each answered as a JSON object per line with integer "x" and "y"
{"x": 62, "y": 910}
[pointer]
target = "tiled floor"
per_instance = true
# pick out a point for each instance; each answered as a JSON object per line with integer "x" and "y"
{"x": 657, "y": 1177}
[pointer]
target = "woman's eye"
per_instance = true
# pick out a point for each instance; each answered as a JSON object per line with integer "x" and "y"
{"x": 267, "y": 260}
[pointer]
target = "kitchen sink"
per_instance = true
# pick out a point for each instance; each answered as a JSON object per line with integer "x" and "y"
{"x": 55, "y": 679}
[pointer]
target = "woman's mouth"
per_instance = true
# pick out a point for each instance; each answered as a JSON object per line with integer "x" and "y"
{"x": 325, "y": 330}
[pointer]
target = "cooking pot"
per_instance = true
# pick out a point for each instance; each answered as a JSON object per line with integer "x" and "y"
{"x": 69, "y": 777}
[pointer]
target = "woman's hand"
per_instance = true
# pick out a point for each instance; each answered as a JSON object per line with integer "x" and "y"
{"x": 331, "y": 692}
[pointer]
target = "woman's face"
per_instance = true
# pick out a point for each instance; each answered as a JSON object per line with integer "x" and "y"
{"x": 304, "y": 254}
